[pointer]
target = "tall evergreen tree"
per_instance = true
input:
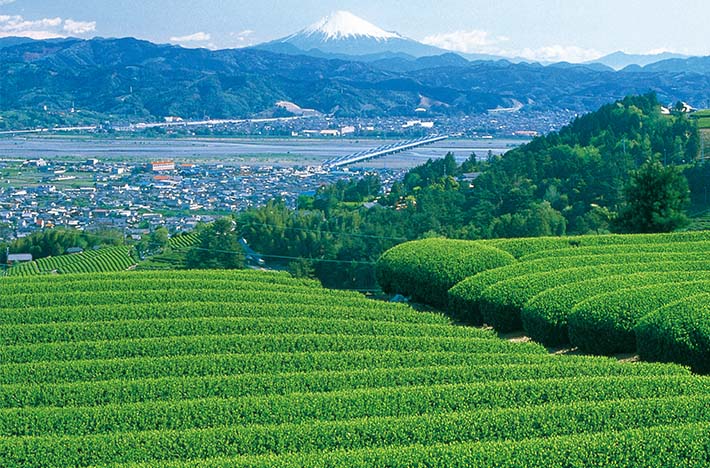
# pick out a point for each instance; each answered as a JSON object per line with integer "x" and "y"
{"x": 656, "y": 199}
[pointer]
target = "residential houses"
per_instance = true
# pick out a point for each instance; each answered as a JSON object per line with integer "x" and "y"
{"x": 137, "y": 199}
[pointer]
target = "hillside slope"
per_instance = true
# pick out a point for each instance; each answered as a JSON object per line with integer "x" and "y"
{"x": 91, "y": 261}
{"x": 237, "y": 369}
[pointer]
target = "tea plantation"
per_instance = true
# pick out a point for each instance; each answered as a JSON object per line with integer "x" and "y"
{"x": 106, "y": 259}
{"x": 605, "y": 295}
{"x": 258, "y": 369}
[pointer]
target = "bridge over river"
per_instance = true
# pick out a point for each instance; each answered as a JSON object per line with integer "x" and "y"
{"x": 380, "y": 151}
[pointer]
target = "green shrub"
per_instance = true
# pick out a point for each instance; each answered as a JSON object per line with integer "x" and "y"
{"x": 679, "y": 332}
{"x": 426, "y": 269}
{"x": 526, "y": 246}
{"x": 240, "y": 368}
{"x": 473, "y": 368}
{"x": 464, "y": 297}
{"x": 544, "y": 316}
{"x": 182, "y": 241}
{"x": 502, "y": 303}
{"x": 211, "y": 428}
{"x": 673, "y": 247}
{"x": 660, "y": 446}
{"x": 604, "y": 324}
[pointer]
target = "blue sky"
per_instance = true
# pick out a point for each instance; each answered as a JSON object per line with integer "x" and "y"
{"x": 550, "y": 30}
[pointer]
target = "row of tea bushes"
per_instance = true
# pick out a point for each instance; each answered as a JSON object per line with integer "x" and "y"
{"x": 106, "y": 259}
{"x": 678, "y": 332}
{"x": 545, "y": 317}
{"x": 605, "y": 323}
{"x": 522, "y": 247}
{"x": 426, "y": 269}
{"x": 246, "y": 368}
{"x": 588, "y": 292}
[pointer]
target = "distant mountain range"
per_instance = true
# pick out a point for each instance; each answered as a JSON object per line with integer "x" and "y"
{"x": 346, "y": 36}
{"x": 620, "y": 60}
{"x": 677, "y": 65}
{"x": 140, "y": 80}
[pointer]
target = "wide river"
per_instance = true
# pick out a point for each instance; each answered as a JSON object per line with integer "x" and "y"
{"x": 243, "y": 151}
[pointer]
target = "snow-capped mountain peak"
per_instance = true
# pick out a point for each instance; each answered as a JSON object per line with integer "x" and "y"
{"x": 344, "y": 34}
{"x": 343, "y": 25}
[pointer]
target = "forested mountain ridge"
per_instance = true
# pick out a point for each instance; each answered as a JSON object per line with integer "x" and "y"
{"x": 138, "y": 80}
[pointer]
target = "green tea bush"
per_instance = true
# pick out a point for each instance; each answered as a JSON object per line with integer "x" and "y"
{"x": 604, "y": 324}
{"x": 198, "y": 369}
{"x": 544, "y": 316}
{"x": 91, "y": 261}
{"x": 526, "y": 246}
{"x": 426, "y": 269}
{"x": 465, "y": 297}
{"x": 502, "y": 303}
{"x": 679, "y": 332}
{"x": 672, "y": 247}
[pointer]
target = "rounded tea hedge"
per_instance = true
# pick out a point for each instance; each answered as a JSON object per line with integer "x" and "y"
{"x": 426, "y": 269}
{"x": 679, "y": 332}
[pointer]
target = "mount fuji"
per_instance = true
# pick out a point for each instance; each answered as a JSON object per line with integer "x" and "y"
{"x": 345, "y": 35}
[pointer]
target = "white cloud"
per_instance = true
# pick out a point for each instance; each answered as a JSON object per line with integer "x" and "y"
{"x": 243, "y": 34}
{"x": 45, "y": 28}
{"x": 6, "y": 2}
{"x": 79, "y": 27}
{"x": 559, "y": 53}
{"x": 475, "y": 41}
{"x": 242, "y": 38}
{"x": 196, "y": 37}
{"x": 202, "y": 39}
{"x": 483, "y": 42}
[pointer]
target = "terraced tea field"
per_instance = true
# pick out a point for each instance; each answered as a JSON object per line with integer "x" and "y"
{"x": 257, "y": 369}
{"x": 91, "y": 261}
{"x": 702, "y": 117}
{"x": 592, "y": 293}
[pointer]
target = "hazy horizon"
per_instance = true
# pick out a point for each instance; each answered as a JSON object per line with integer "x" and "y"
{"x": 544, "y": 30}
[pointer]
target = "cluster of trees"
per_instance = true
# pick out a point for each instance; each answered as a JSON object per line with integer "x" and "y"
{"x": 584, "y": 168}
{"x": 331, "y": 196}
{"x": 218, "y": 247}
{"x": 620, "y": 169}
{"x": 656, "y": 200}
{"x": 153, "y": 243}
